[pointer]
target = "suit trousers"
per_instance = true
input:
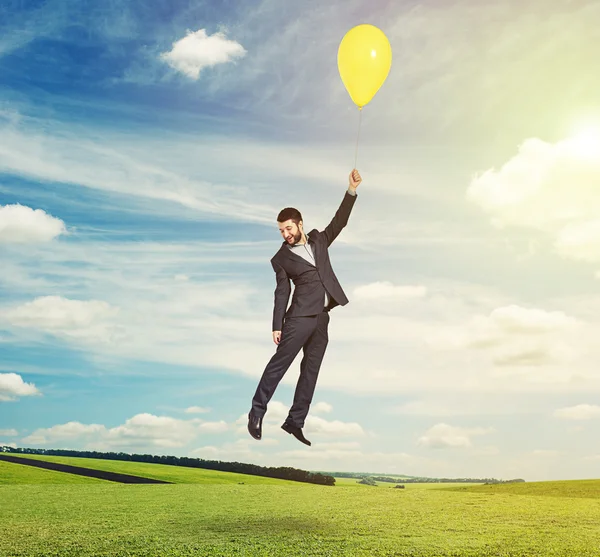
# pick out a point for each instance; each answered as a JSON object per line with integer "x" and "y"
{"x": 304, "y": 332}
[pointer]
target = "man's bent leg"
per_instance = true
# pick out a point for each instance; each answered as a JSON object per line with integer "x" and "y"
{"x": 314, "y": 351}
{"x": 295, "y": 332}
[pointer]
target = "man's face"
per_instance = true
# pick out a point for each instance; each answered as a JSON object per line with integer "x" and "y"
{"x": 291, "y": 232}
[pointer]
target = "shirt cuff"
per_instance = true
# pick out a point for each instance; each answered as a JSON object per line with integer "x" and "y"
{"x": 351, "y": 190}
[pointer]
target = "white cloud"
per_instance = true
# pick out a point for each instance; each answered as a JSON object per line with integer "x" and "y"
{"x": 580, "y": 240}
{"x": 549, "y": 188}
{"x": 54, "y": 151}
{"x": 466, "y": 403}
{"x": 489, "y": 450}
{"x": 197, "y": 50}
{"x": 21, "y": 225}
{"x": 159, "y": 431}
{"x": 545, "y": 453}
{"x": 444, "y": 436}
{"x": 317, "y": 455}
{"x": 142, "y": 430}
{"x": 3, "y": 444}
{"x": 578, "y": 412}
{"x": 69, "y": 431}
{"x": 334, "y": 428}
{"x": 79, "y": 319}
{"x": 241, "y": 450}
{"x": 56, "y": 312}
{"x": 520, "y": 320}
{"x": 213, "y": 427}
{"x": 338, "y": 445}
{"x": 12, "y": 387}
{"x": 385, "y": 290}
{"x": 9, "y": 432}
{"x": 515, "y": 336}
{"x": 321, "y": 407}
{"x": 209, "y": 452}
{"x": 428, "y": 408}
{"x": 196, "y": 410}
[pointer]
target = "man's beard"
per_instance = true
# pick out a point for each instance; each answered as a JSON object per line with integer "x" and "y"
{"x": 296, "y": 238}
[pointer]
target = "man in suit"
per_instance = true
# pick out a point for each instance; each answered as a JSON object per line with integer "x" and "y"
{"x": 304, "y": 259}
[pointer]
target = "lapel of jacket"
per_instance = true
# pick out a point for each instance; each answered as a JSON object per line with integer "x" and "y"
{"x": 287, "y": 252}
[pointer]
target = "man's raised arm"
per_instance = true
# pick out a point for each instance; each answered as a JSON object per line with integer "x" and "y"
{"x": 340, "y": 219}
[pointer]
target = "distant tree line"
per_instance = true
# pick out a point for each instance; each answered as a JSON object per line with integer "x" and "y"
{"x": 360, "y": 475}
{"x": 386, "y": 479}
{"x": 371, "y": 480}
{"x": 460, "y": 480}
{"x": 281, "y": 472}
{"x": 416, "y": 479}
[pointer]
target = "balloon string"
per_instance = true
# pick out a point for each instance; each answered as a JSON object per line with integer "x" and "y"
{"x": 357, "y": 135}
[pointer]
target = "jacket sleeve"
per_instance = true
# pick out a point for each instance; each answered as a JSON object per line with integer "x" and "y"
{"x": 282, "y": 295}
{"x": 340, "y": 218}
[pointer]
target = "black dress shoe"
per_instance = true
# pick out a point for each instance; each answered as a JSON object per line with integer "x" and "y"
{"x": 255, "y": 426}
{"x": 295, "y": 431}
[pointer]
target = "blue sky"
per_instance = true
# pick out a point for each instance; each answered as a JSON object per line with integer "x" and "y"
{"x": 145, "y": 152}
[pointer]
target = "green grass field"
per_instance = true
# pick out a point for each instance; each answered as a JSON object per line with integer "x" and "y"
{"x": 210, "y": 513}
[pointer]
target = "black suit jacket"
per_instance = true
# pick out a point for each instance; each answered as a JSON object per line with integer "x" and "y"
{"x": 310, "y": 282}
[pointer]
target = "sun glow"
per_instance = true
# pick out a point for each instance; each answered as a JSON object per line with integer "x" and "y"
{"x": 586, "y": 143}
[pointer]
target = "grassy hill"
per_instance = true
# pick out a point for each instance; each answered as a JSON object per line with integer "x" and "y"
{"x": 17, "y": 474}
{"x": 589, "y": 489}
{"x": 174, "y": 474}
{"x": 246, "y": 469}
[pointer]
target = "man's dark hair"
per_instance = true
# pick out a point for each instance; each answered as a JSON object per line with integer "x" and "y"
{"x": 289, "y": 213}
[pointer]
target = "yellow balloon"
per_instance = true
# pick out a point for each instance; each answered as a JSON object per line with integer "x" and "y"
{"x": 364, "y": 62}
